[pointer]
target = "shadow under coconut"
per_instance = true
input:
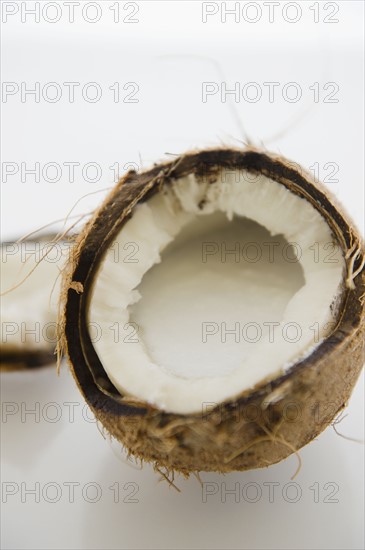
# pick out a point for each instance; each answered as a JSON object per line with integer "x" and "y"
{"x": 255, "y": 509}
{"x": 32, "y": 413}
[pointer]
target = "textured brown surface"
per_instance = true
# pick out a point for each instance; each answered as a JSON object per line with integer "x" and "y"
{"x": 263, "y": 425}
{"x": 19, "y": 359}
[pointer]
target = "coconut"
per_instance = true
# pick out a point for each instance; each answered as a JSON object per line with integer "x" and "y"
{"x": 213, "y": 311}
{"x": 30, "y": 286}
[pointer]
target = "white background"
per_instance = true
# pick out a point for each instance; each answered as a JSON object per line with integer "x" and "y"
{"x": 168, "y": 54}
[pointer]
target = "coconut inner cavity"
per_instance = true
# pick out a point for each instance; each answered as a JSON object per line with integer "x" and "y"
{"x": 210, "y": 288}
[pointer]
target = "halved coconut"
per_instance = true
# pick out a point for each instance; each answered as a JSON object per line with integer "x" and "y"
{"x": 214, "y": 311}
{"x": 30, "y": 281}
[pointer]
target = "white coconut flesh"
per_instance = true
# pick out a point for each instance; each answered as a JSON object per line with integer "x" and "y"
{"x": 29, "y": 310}
{"x": 210, "y": 289}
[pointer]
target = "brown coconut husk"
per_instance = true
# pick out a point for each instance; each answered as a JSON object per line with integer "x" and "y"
{"x": 264, "y": 424}
{"x": 14, "y": 358}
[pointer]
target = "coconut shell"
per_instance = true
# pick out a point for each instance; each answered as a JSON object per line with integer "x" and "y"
{"x": 13, "y": 358}
{"x": 22, "y": 357}
{"x": 263, "y": 425}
